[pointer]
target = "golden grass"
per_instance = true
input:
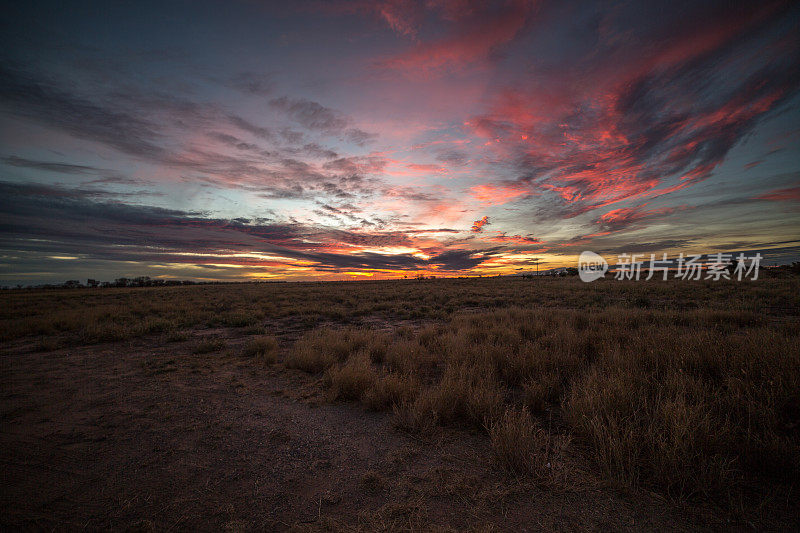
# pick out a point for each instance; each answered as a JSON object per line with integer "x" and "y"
{"x": 321, "y": 349}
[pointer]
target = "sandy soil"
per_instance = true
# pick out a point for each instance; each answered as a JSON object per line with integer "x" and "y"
{"x": 147, "y": 435}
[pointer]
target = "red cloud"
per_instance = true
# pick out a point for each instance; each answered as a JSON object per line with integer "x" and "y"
{"x": 789, "y": 194}
{"x": 620, "y": 129}
{"x": 478, "y": 31}
{"x": 624, "y": 217}
{"x": 478, "y": 225}
{"x": 436, "y": 169}
{"x": 497, "y": 194}
{"x": 401, "y": 15}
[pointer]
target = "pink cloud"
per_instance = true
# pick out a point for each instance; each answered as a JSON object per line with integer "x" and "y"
{"x": 789, "y": 194}
{"x": 478, "y": 32}
{"x": 497, "y": 194}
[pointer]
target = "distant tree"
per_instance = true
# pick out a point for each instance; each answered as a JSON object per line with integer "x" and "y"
{"x": 121, "y": 282}
{"x": 92, "y": 282}
{"x": 72, "y": 284}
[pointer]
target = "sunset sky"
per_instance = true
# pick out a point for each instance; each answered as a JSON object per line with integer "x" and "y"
{"x": 356, "y": 139}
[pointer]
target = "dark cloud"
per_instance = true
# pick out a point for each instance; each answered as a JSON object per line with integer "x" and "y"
{"x": 232, "y": 141}
{"x": 249, "y": 127}
{"x": 317, "y": 117}
{"x": 311, "y": 114}
{"x": 475, "y": 32}
{"x": 50, "y": 166}
{"x": 253, "y": 83}
{"x": 356, "y": 166}
{"x": 647, "y": 247}
{"x": 360, "y": 137}
{"x": 315, "y": 150}
{"x": 453, "y": 157}
{"x": 289, "y": 192}
{"x": 460, "y": 259}
{"x": 44, "y": 101}
{"x": 55, "y": 219}
{"x": 139, "y": 124}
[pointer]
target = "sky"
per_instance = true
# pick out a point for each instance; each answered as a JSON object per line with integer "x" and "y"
{"x": 354, "y": 139}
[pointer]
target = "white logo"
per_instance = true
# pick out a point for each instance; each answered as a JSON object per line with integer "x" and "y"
{"x": 591, "y": 266}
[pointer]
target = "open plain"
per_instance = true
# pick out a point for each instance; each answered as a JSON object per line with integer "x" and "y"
{"x": 453, "y": 404}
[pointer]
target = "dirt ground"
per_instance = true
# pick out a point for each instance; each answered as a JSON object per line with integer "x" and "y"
{"x": 145, "y": 435}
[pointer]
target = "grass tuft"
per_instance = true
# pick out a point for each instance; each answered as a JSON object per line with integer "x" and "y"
{"x": 263, "y": 348}
{"x": 351, "y": 380}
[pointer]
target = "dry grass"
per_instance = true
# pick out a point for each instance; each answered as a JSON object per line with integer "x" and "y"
{"x": 372, "y": 482}
{"x": 321, "y": 349}
{"x": 522, "y": 446}
{"x": 700, "y": 403}
{"x": 693, "y": 410}
{"x": 391, "y": 389}
{"x": 103, "y": 315}
{"x": 352, "y": 379}
{"x": 264, "y": 348}
{"x": 418, "y": 416}
{"x": 208, "y": 346}
{"x": 690, "y": 389}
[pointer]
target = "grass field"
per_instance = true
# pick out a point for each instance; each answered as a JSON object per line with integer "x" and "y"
{"x": 680, "y": 400}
